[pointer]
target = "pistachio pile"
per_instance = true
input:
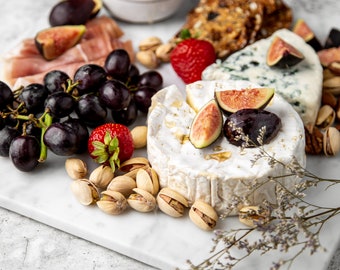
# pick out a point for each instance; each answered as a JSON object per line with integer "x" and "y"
{"x": 136, "y": 185}
{"x": 325, "y": 136}
{"x": 152, "y": 52}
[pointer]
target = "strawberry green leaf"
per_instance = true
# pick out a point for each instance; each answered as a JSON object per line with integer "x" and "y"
{"x": 113, "y": 145}
{"x": 107, "y": 138}
{"x": 102, "y": 158}
{"x": 98, "y": 145}
{"x": 185, "y": 34}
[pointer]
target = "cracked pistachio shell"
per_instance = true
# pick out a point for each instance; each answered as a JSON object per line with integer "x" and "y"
{"x": 84, "y": 191}
{"x": 147, "y": 179}
{"x": 101, "y": 176}
{"x": 326, "y": 117}
{"x": 331, "y": 141}
{"x": 250, "y": 215}
{"x": 150, "y": 43}
{"x": 123, "y": 184}
{"x": 112, "y": 202}
{"x": 171, "y": 202}
{"x": 142, "y": 200}
{"x": 203, "y": 215}
{"x": 76, "y": 168}
{"x": 148, "y": 59}
{"x": 133, "y": 164}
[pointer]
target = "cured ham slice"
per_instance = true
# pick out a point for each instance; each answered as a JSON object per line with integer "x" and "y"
{"x": 24, "y": 64}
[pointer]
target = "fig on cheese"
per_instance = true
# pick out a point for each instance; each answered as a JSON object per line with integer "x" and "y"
{"x": 207, "y": 125}
{"x": 251, "y": 123}
{"x": 282, "y": 54}
{"x": 231, "y": 101}
{"x": 303, "y": 30}
{"x": 54, "y": 41}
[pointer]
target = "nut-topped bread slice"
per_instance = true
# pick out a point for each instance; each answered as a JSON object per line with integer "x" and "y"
{"x": 233, "y": 24}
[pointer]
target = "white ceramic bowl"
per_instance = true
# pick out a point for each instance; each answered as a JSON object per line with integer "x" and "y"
{"x": 142, "y": 11}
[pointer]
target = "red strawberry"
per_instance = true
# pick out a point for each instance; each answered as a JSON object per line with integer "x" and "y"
{"x": 110, "y": 144}
{"x": 190, "y": 57}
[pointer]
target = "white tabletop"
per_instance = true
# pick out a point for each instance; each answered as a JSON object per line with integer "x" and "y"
{"x": 28, "y": 244}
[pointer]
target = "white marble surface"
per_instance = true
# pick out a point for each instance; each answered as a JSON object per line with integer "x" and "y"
{"x": 28, "y": 244}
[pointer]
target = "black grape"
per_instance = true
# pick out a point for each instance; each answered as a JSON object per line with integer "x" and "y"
{"x": 90, "y": 110}
{"x": 151, "y": 78}
{"x": 89, "y": 78}
{"x": 114, "y": 95}
{"x": 56, "y": 81}
{"x": 81, "y": 131}
{"x": 126, "y": 116}
{"x": 143, "y": 97}
{"x": 117, "y": 64}
{"x": 7, "y": 134}
{"x": 6, "y": 95}
{"x": 60, "y": 104}
{"x": 61, "y": 139}
{"x": 24, "y": 152}
{"x": 34, "y": 95}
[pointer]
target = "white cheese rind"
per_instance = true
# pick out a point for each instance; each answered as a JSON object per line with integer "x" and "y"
{"x": 184, "y": 168}
{"x": 300, "y": 85}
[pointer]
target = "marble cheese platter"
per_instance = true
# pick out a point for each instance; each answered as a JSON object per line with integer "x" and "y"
{"x": 154, "y": 238}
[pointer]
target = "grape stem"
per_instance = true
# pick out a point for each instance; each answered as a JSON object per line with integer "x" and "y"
{"x": 46, "y": 121}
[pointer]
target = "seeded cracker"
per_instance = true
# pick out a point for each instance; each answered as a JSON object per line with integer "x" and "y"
{"x": 233, "y": 24}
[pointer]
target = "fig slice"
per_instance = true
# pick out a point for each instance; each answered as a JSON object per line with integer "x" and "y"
{"x": 54, "y": 41}
{"x": 282, "y": 54}
{"x": 231, "y": 101}
{"x": 207, "y": 125}
{"x": 303, "y": 30}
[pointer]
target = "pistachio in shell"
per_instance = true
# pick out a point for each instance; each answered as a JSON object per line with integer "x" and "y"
{"x": 203, "y": 215}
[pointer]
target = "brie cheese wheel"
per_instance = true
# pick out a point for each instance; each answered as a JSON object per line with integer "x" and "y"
{"x": 300, "y": 85}
{"x": 221, "y": 171}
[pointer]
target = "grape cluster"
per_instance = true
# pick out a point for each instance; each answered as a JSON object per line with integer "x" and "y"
{"x": 58, "y": 113}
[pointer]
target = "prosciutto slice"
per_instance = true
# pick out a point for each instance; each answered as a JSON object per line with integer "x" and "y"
{"x": 24, "y": 64}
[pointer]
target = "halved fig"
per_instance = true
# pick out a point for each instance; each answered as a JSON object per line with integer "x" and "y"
{"x": 303, "y": 30}
{"x": 207, "y": 125}
{"x": 251, "y": 127}
{"x": 54, "y": 41}
{"x": 333, "y": 39}
{"x": 231, "y": 101}
{"x": 281, "y": 54}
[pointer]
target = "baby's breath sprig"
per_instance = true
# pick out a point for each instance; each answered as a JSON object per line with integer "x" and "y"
{"x": 293, "y": 225}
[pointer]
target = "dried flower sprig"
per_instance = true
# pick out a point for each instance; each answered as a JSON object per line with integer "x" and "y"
{"x": 294, "y": 223}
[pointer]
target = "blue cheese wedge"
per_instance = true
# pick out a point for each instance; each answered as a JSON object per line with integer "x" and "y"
{"x": 300, "y": 85}
{"x": 221, "y": 171}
